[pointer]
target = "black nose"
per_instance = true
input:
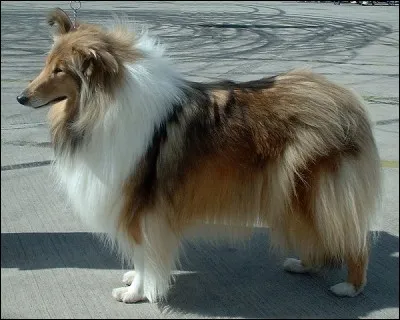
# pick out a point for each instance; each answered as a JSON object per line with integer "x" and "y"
{"x": 22, "y": 99}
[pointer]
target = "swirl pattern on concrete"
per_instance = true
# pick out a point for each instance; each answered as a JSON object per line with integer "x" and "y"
{"x": 232, "y": 35}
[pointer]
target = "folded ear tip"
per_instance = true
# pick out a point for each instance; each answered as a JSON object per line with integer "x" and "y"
{"x": 54, "y": 12}
{"x": 61, "y": 18}
{"x": 57, "y": 10}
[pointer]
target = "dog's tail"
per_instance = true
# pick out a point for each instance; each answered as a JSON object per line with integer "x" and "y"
{"x": 347, "y": 202}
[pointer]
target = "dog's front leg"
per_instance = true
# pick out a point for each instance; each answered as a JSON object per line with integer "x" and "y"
{"x": 135, "y": 291}
{"x": 154, "y": 259}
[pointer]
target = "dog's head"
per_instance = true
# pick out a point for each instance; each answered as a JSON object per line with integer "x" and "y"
{"x": 81, "y": 56}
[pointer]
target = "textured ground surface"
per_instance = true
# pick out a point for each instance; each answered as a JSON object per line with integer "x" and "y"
{"x": 52, "y": 267}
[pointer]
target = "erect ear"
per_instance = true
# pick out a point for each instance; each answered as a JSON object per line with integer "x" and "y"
{"x": 59, "y": 18}
{"x": 101, "y": 58}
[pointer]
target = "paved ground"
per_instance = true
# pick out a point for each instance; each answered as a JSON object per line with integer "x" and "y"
{"x": 52, "y": 267}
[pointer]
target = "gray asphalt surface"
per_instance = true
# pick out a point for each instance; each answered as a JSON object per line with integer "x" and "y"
{"x": 53, "y": 267}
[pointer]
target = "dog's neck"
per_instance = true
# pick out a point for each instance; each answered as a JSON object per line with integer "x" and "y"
{"x": 120, "y": 139}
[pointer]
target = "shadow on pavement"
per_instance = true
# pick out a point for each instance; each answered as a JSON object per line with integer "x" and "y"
{"x": 250, "y": 282}
{"x": 225, "y": 280}
{"x": 33, "y": 251}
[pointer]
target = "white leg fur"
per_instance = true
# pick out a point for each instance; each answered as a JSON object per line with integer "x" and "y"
{"x": 345, "y": 289}
{"x": 153, "y": 260}
{"x": 128, "y": 277}
{"x": 161, "y": 246}
{"x": 135, "y": 292}
{"x": 296, "y": 266}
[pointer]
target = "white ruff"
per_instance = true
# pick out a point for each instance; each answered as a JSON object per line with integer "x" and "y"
{"x": 94, "y": 175}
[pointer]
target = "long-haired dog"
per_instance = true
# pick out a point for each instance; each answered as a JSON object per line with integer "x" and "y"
{"x": 146, "y": 155}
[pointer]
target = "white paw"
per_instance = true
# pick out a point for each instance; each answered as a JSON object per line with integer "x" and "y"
{"x": 345, "y": 289}
{"x": 117, "y": 293}
{"x": 128, "y": 277}
{"x": 125, "y": 295}
{"x": 295, "y": 265}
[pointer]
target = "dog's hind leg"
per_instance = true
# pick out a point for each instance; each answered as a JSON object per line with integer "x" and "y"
{"x": 356, "y": 277}
{"x": 344, "y": 209}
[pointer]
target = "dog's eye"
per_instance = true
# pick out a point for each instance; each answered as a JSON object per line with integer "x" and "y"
{"x": 57, "y": 70}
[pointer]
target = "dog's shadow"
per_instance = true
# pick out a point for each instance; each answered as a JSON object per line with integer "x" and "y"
{"x": 249, "y": 282}
{"x": 245, "y": 281}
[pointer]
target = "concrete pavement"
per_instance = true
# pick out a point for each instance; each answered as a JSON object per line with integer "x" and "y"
{"x": 52, "y": 267}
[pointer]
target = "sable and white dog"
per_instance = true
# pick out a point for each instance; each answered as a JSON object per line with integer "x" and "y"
{"x": 146, "y": 155}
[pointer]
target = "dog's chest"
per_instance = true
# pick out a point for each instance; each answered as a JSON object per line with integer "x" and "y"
{"x": 97, "y": 202}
